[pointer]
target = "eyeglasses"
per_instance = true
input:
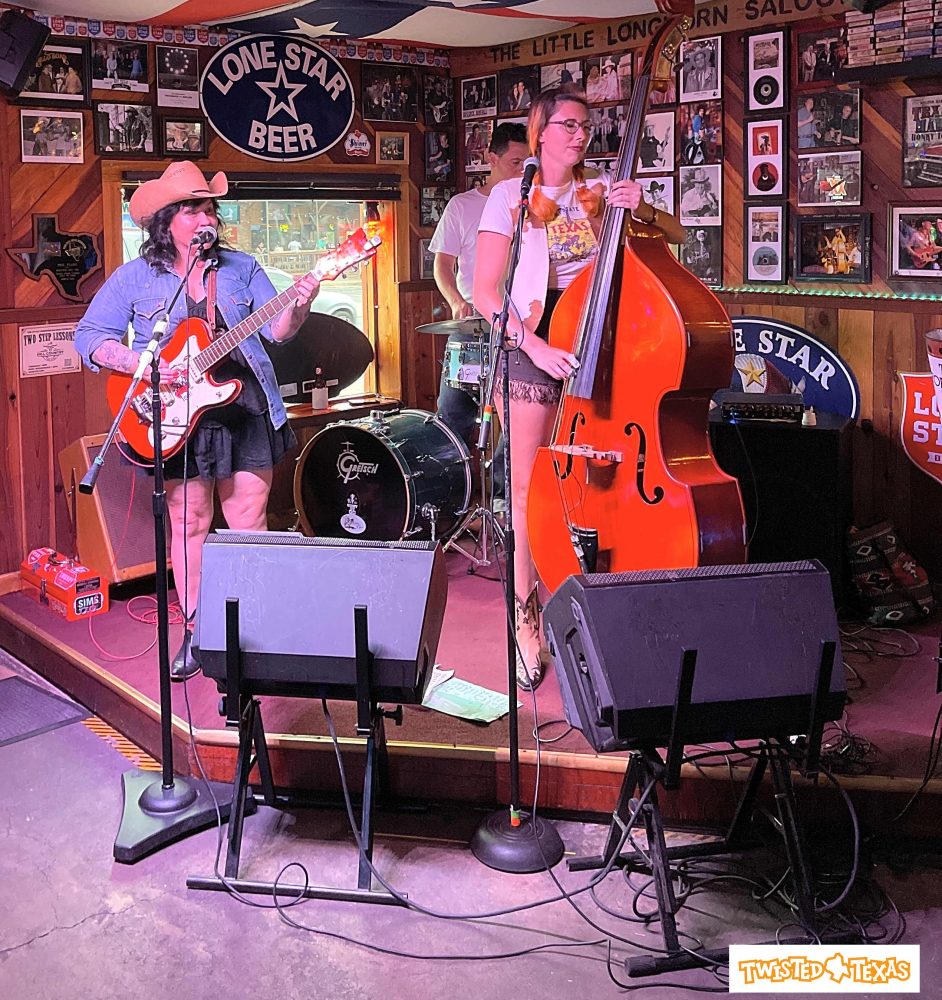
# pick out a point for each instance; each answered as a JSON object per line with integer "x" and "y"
{"x": 572, "y": 126}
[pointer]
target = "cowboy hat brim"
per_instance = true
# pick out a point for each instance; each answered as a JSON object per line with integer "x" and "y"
{"x": 181, "y": 181}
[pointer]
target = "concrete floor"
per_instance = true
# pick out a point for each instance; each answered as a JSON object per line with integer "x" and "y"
{"x": 73, "y": 924}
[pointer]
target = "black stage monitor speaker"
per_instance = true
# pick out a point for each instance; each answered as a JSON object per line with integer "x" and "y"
{"x": 21, "y": 40}
{"x": 618, "y": 640}
{"x": 296, "y": 599}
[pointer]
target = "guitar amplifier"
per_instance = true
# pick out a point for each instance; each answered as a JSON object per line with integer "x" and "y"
{"x": 779, "y": 407}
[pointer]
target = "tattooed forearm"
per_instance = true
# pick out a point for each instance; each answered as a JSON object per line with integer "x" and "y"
{"x": 113, "y": 354}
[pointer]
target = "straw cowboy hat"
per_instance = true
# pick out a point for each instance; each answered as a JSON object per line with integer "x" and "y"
{"x": 182, "y": 181}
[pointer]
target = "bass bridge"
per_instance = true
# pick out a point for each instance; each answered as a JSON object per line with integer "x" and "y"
{"x": 588, "y": 452}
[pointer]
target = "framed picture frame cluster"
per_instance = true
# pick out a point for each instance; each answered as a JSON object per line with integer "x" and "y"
{"x": 698, "y": 152}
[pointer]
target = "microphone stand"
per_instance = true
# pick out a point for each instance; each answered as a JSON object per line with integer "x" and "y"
{"x": 510, "y": 840}
{"x": 155, "y": 813}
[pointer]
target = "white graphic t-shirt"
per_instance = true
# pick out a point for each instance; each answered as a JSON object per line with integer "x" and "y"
{"x": 570, "y": 239}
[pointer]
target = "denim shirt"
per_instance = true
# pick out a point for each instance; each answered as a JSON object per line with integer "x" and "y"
{"x": 137, "y": 294}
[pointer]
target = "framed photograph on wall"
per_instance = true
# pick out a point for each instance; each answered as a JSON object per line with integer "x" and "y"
{"x": 479, "y": 97}
{"x": 701, "y": 69}
{"x": 61, "y": 76}
{"x": 700, "y": 133}
{"x": 432, "y": 204}
{"x": 922, "y": 141}
{"x": 52, "y": 136}
{"x": 123, "y": 129}
{"x": 766, "y": 71}
{"x": 477, "y": 137}
{"x": 608, "y": 78}
{"x": 656, "y": 146}
{"x": 819, "y": 54}
{"x": 389, "y": 93}
{"x": 119, "y": 65}
{"x": 702, "y": 253}
{"x": 561, "y": 74}
{"x": 828, "y": 118}
{"x": 701, "y": 195}
{"x": 439, "y": 157}
{"x": 392, "y": 147}
{"x": 914, "y": 235}
{"x": 659, "y": 192}
{"x": 766, "y": 164}
{"x": 182, "y": 137}
{"x": 832, "y": 248}
{"x": 765, "y": 238}
{"x": 439, "y": 108}
{"x": 608, "y": 125}
{"x": 178, "y": 76}
{"x": 426, "y": 261}
{"x": 829, "y": 178}
{"x": 516, "y": 89}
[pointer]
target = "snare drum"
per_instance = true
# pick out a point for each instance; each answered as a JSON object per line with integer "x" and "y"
{"x": 383, "y": 478}
{"x": 465, "y": 364}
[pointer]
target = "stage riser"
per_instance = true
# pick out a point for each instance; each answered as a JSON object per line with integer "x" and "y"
{"x": 479, "y": 778}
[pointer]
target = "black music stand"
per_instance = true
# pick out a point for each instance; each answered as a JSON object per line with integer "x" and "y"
{"x": 614, "y": 679}
{"x": 253, "y": 641}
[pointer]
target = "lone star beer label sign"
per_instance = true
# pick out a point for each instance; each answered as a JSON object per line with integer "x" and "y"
{"x": 277, "y": 97}
{"x": 920, "y": 426}
{"x": 775, "y": 357}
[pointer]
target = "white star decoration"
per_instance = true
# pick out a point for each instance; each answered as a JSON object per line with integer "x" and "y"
{"x": 277, "y": 103}
{"x": 317, "y": 30}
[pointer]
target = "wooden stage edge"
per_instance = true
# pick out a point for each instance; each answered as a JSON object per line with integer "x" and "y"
{"x": 569, "y": 782}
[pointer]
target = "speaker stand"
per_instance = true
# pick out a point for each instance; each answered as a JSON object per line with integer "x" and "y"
{"x": 246, "y": 713}
{"x": 646, "y": 770}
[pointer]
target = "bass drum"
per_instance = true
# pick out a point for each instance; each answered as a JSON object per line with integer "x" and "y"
{"x": 388, "y": 477}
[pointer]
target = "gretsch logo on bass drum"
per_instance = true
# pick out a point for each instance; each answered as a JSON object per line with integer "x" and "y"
{"x": 350, "y": 467}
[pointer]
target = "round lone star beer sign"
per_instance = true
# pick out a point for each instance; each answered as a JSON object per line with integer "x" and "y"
{"x": 277, "y": 97}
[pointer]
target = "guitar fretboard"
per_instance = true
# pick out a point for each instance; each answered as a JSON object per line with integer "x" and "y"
{"x": 231, "y": 339}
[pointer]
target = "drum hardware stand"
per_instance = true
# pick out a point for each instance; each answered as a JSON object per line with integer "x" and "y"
{"x": 157, "y": 812}
{"x": 490, "y": 535}
{"x": 509, "y": 839}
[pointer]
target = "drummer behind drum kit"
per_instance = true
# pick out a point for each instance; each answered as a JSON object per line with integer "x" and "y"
{"x": 403, "y": 475}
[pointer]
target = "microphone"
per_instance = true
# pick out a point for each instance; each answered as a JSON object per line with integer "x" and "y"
{"x": 530, "y": 166}
{"x": 205, "y": 236}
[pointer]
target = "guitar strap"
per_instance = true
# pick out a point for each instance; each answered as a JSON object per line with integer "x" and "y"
{"x": 211, "y": 300}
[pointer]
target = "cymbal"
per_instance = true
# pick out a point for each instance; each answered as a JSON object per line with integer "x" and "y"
{"x": 470, "y": 326}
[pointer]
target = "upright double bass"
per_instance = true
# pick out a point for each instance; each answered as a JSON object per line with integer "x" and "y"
{"x": 629, "y": 481}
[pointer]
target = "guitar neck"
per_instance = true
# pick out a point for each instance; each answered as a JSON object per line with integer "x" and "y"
{"x": 356, "y": 248}
{"x": 231, "y": 339}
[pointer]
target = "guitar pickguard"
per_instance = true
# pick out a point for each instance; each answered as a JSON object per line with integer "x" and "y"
{"x": 182, "y": 399}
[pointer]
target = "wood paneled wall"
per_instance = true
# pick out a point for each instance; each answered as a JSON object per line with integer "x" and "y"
{"x": 40, "y": 416}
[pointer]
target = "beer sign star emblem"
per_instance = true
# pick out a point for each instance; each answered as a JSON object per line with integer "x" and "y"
{"x": 920, "y": 426}
{"x": 279, "y": 98}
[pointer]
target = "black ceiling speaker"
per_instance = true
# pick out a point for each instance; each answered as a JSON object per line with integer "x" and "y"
{"x": 21, "y": 40}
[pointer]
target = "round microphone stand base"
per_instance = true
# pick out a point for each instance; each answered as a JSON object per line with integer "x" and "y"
{"x": 532, "y": 846}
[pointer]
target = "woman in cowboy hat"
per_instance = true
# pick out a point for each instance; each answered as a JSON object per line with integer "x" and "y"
{"x": 233, "y": 447}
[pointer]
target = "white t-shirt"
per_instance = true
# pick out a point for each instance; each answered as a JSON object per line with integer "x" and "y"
{"x": 569, "y": 237}
{"x": 457, "y": 235}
